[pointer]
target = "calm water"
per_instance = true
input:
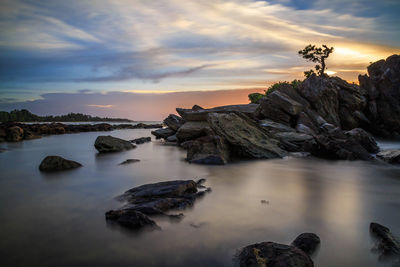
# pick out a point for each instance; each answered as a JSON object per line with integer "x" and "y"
{"x": 58, "y": 219}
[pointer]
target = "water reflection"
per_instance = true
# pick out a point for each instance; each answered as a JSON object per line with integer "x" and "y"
{"x": 59, "y": 219}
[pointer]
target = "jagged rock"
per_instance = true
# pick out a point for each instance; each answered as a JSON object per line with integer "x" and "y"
{"x": 301, "y": 128}
{"x": 131, "y": 219}
{"x": 56, "y": 163}
{"x": 386, "y": 244}
{"x": 274, "y": 127}
{"x": 193, "y": 129}
{"x": 208, "y": 150}
{"x": 244, "y": 137}
{"x": 174, "y": 122}
{"x": 14, "y": 134}
{"x": 163, "y": 133}
{"x": 105, "y": 144}
{"x": 196, "y": 107}
{"x": 201, "y": 114}
{"x": 278, "y": 255}
{"x": 129, "y": 161}
{"x": 365, "y": 139}
{"x": 390, "y": 156}
{"x": 141, "y": 140}
{"x": 295, "y": 142}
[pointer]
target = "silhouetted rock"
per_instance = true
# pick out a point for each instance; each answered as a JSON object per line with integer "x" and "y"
{"x": 201, "y": 114}
{"x": 174, "y": 122}
{"x": 307, "y": 242}
{"x": 56, "y": 163}
{"x": 141, "y": 140}
{"x": 390, "y": 156}
{"x": 105, "y": 144}
{"x": 163, "y": 133}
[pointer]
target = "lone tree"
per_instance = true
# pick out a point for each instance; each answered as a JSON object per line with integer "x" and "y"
{"x": 317, "y": 55}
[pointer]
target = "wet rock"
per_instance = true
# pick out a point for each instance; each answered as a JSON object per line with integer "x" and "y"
{"x": 307, "y": 242}
{"x": 174, "y": 122}
{"x": 386, "y": 244}
{"x": 131, "y": 219}
{"x": 14, "y": 134}
{"x": 390, "y": 156}
{"x": 163, "y": 133}
{"x": 56, "y": 163}
{"x": 244, "y": 136}
{"x": 129, "y": 161}
{"x": 105, "y": 144}
{"x": 201, "y": 114}
{"x": 172, "y": 138}
{"x": 193, "y": 129}
{"x": 211, "y": 150}
{"x": 141, "y": 140}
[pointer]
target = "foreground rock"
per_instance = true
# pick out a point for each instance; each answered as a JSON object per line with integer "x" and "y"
{"x": 106, "y": 144}
{"x": 155, "y": 199}
{"x": 244, "y": 137}
{"x": 212, "y": 150}
{"x": 141, "y": 140}
{"x": 56, "y": 163}
{"x": 201, "y": 114}
{"x": 278, "y": 255}
{"x": 386, "y": 244}
{"x": 390, "y": 156}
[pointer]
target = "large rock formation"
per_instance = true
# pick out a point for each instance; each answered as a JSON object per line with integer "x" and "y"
{"x": 201, "y": 114}
{"x": 105, "y": 144}
{"x": 192, "y": 129}
{"x": 56, "y": 163}
{"x": 211, "y": 150}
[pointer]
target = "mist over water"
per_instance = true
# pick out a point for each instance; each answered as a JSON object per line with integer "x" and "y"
{"x": 58, "y": 219}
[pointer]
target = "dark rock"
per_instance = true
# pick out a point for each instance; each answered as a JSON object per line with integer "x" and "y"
{"x": 211, "y": 150}
{"x": 201, "y": 114}
{"x": 14, "y": 134}
{"x": 174, "y": 122}
{"x": 163, "y": 133}
{"x": 274, "y": 127}
{"x": 141, "y": 140}
{"x": 56, "y": 163}
{"x": 365, "y": 139}
{"x": 129, "y": 161}
{"x": 105, "y": 144}
{"x": 244, "y": 136}
{"x": 390, "y": 156}
{"x": 307, "y": 242}
{"x": 196, "y": 107}
{"x": 172, "y": 138}
{"x": 29, "y": 135}
{"x": 386, "y": 244}
{"x": 131, "y": 219}
{"x": 193, "y": 129}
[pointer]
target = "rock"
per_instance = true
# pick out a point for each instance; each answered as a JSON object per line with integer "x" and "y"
{"x": 29, "y": 135}
{"x": 155, "y": 199}
{"x": 307, "y": 242}
{"x": 196, "y": 107}
{"x": 274, "y": 127}
{"x": 56, "y": 163}
{"x": 301, "y": 128}
{"x": 172, "y": 138}
{"x": 131, "y": 219}
{"x": 365, "y": 139}
{"x": 14, "y": 134}
{"x": 141, "y": 140}
{"x": 273, "y": 255}
{"x": 163, "y": 133}
{"x": 208, "y": 150}
{"x": 201, "y": 114}
{"x": 105, "y": 144}
{"x": 386, "y": 244}
{"x": 193, "y": 129}
{"x": 244, "y": 137}
{"x": 174, "y": 122}
{"x": 295, "y": 142}
{"x": 390, "y": 156}
{"x": 129, "y": 161}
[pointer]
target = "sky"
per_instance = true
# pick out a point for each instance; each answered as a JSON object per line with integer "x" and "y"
{"x": 140, "y": 59}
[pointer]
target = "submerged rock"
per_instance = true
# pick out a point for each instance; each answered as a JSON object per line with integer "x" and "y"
{"x": 129, "y": 161}
{"x": 141, "y": 140}
{"x": 278, "y": 255}
{"x": 390, "y": 156}
{"x": 386, "y": 244}
{"x": 131, "y": 219}
{"x": 56, "y": 163}
{"x": 105, "y": 144}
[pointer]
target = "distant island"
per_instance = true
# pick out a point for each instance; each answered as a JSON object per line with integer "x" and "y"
{"x": 24, "y": 115}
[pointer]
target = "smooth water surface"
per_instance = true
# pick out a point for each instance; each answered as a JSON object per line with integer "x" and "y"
{"x": 58, "y": 219}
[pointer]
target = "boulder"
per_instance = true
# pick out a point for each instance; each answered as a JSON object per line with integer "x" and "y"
{"x": 390, "y": 156}
{"x": 295, "y": 142}
{"x": 386, "y": 244}
{"x": 201, "y": 114}
{"x": 278, "y": 255}
{"x": 129, "y": 161}
{"x": 131, "y": 219}
{"x": 14, "y": 134}
{"x": 163, "y": 133}
{"x": 365, "y": 139}
{"x": 141, "y": 140}
{"x": 105, "y": 144}
{"x": 193, "y": 129}
{"x": 274, "y": 127}
{"x": 244, "y": 136}
{"x": 211, "y": 150}
{"x": 174, "y": 122}
{"x": 56, "y": 163}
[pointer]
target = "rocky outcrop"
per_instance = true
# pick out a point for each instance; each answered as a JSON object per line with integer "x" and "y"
{"x": 277, "y": 255}
{"x": 174, "y": 122}
{"x": 192, "y": 129}
{"x": 201, "y": 114}
{"x": 212, "y": 150}
{"x": 390, "y": 156}
{"x": 14, "y": 134}
{"x": 244, "y": 136}
{"x": 141, "y": 140}
{"x": 155, "y": 199}
{"x": 56, "y": 163}
{"x": 106, "y": 144}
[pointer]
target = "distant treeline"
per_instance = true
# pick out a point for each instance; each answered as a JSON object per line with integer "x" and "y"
{"x": 24, "y": 115}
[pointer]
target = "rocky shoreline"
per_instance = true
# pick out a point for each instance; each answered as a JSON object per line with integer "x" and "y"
{"x": 16, "y": 132}
{"x": 322, "y": 116}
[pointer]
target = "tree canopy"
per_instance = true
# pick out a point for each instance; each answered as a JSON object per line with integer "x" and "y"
{"x": 317, "y": 55}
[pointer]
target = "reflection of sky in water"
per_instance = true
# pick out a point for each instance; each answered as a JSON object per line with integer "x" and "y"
{"x": 58, "y": 219}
